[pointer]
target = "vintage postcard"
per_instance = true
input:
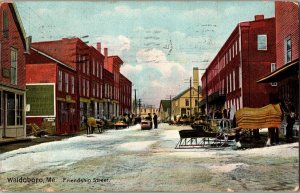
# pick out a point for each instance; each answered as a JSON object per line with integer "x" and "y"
{"x": 149, "y": 96}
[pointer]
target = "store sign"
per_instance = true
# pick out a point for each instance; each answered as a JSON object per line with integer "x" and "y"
{"x": 41, "y": 100}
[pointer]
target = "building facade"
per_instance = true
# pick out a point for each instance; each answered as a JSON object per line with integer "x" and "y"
{"x": 186, "y": 103}
{"x": 125, "y": 95}
{"x": 97, "y": 89}
{"x": 143, "y": 111}
{"x": 229, "y": 81}
{"x": 164, "y": 110}
{"x": 286, "y": 74}
{"x": 51, "y": 93}
{"x": 12, "y": 72}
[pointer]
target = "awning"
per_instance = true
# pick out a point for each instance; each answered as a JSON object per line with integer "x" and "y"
{"x": 281, "y": 73}
{"x": 216, "y": 96}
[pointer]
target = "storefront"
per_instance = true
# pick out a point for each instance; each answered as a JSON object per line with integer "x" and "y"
{"x": 12, "y": 119}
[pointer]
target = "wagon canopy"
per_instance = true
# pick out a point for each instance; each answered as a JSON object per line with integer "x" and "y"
{"x": 253, "y": 118}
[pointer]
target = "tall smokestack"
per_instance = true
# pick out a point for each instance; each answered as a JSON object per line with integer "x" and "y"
{"x": 99, "y": 47}
{"x": 195, "y": 78}
{"x": 105, "y": 58}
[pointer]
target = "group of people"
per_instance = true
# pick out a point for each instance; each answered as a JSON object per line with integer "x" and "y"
{"x": 149, "y": 117}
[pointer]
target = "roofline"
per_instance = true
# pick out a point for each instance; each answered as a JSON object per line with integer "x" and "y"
{"x": 19, "y": 23}
{"x": 229, "y": 37}
{"x": 183, "y": 92}
{"x": 51, "y": 58}
{"x": 282, "y": 68}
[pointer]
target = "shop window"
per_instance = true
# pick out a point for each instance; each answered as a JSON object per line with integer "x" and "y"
{"x": 60, "y": 80}
{"x": 87, "y": 88}
{"x": 11, "y": 114}
{"x": 66, "y": 83}
{"x": 13, "y": 66}
{"x": 20, "y": 109}
{"x": 5, "y": 26}
{"x": 262, "y": 42}
{"x": 288, "y": 49}
{"x": 72, "y": 85}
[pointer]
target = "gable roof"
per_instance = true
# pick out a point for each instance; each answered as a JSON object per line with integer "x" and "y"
{"x": 52, "y": 58}
{"x": 18, "y": 22}
{"x": 183, "y": 92}
{"x": 165, "y": 105}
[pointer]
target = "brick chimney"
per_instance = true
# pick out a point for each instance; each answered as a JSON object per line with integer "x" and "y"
{"x": 99, "y": 47}
{"x": 259, "y": 17}
{"x": 105, "y": 58}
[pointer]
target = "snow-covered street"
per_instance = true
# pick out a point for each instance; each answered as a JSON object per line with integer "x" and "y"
{"x": 136, "y": 160}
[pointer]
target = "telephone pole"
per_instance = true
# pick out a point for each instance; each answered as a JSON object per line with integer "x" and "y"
{"x": 190, "y": 96}
{"x": 135, "y": 102}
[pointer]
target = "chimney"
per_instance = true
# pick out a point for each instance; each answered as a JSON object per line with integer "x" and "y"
{"x": 99, "y": 47}
{"x": 259, "y": 17}
{"x": 105, "y": 58}
{"x": 195, "y": 78}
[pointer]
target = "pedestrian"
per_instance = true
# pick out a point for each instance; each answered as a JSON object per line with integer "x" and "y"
{"x": 290, "y": 119}
{"x": 155, "y": 121}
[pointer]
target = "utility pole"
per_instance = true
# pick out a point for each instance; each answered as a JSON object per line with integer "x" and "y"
{"x": 139, "y": 104}
{"x": 170, "y": 108}
{"x": 135, "y": 102}
{"x": 190, "y": 96}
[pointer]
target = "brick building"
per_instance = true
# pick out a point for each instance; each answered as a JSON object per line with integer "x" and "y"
{"x": 12, "y": 72}
{"x": 51, "y": 93}
{"x": 248, "y": 53}
{"x": 286, "y": 76}
{"x": 97, "y": 76}
{"x": 125, "y": 95}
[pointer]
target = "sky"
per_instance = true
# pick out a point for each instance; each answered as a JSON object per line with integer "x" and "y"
{"x": 159, "y": 41}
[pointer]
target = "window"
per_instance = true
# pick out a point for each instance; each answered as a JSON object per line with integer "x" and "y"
{"x": 101, "y": 71}
{"x": 72, "y": 85}
{"x": 227, "y": 84}
{"x": 20, "y": 107}
{"x": 261, "y": 42}
{"x": 94, "y": 88}
{"x": 273, "y": 68}
{"x": 11, "y": 115}
{"x": 13, "y": 66}
{"x": 1, "y": 108}
{"x": 88, "y": 67}
{"x": 79, "y": 62}
{"x": 83, "y": 87}
{"x": 240, "y": 76}
{"x": 60, "y": 80}
{"x": 230, "y": 83}
{"x": 101, "y": 91}
{"x": 97, "y": 69}
{"x": 229, "y": 54}
{"x": 83, "y": 64}
{"x": 5, "y": 26}
{"x": 87, "y": 88}
{"x": 236, "y": 47}
{"x": 287, "y": 49}
{"x": 93, "y": 67}
{"x": 66, "y": 82}
{"x": 187, "y": 102}
{"x": 233, "y": 80}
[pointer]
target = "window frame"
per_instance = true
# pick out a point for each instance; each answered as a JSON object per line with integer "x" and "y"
{"x": 265, "y": 48}
{"x": 286, "y": 50}
{"x": 13, "y": 68}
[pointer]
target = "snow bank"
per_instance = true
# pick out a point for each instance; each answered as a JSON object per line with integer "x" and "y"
{"x": 285, "y": 150}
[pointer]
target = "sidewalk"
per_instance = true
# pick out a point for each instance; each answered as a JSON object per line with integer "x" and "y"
{"x": 10, "y": 144}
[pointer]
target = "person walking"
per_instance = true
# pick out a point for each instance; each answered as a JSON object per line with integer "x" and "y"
{"x": 155, "y": 121}
{"x": 291, "y": 118}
